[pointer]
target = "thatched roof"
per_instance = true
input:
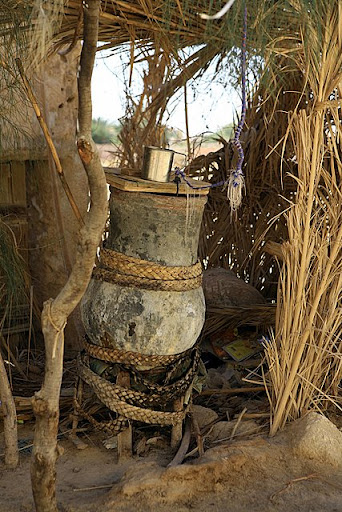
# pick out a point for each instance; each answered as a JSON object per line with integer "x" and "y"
{"x": 170, "y": 22}
{"x": 122, "y": 21}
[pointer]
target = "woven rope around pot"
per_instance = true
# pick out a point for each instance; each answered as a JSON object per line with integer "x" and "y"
{"x": 111, "y": 396}
{"x": 128, "y": 358}
{"x": 126, "y": 270}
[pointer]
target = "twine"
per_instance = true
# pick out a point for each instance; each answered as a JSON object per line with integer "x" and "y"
{"x": 58, "y": 330}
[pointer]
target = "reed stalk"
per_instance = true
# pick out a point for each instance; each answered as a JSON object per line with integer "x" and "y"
{"x": 304, "y": 358}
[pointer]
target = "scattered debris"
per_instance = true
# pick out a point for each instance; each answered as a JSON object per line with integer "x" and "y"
{"x": 111, "y": 443}
{"x": 226, "y": 430}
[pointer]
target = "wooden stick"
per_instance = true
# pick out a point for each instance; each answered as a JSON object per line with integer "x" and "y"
{"x": 10, "y": 419}
{"x": 81, "y": 489}
{"x": 49, "y": 141}
{"x": 199, "y": 438}
{"x": 11, "y": 355}
{"x": 125, "y": 449}
{"x": 179, "y": 457}
{"x": 176, "y": 434}
{"x": 232, "y": 391}
{"x": 253, "y": 415}
{"x": 238, "y": 421}
{"x": 187, "y": 123}
{"x": 300, "y": 479}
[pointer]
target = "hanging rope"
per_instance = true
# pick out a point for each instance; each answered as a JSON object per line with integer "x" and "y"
{"x": 235, "y": 183}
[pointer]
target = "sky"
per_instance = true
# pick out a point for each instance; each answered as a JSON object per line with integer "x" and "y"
{"x": 210, "y": 105}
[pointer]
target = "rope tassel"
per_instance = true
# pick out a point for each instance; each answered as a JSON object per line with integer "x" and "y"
{"x": 236, "y": 185}
{"x": 236, "y": 180}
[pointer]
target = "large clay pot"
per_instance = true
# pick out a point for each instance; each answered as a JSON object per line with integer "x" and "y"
{"x": 159, "y": 228}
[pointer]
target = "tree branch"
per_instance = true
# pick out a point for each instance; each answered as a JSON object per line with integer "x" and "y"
{"x": 10, "y": 419}
{"x": 90, "y": 35}
{"x": 55, "y": 312}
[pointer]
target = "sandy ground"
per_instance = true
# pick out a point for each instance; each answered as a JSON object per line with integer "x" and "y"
{"x": 256, "y": 474}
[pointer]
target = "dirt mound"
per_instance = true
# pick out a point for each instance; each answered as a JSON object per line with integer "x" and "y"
{"x": 260, "y": 475}
{"x": 256, "y": 474}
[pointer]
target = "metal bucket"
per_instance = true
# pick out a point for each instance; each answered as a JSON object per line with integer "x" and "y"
{"x": 157, "y": 164}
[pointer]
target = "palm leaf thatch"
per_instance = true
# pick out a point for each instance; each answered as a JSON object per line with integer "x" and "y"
{"x": 239, "y": 242}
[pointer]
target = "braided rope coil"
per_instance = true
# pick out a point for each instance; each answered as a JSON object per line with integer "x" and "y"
{"x": 126, "y": 270}
{"x": 112, "y": 427}
{"x": 158, "y": 394}
{"x": 148, "y": 269}
{"x": 113, "y": 397}
{"x": 128, "y": 358}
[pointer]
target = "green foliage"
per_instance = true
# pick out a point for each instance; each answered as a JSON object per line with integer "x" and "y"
{"x": 104, "y": 132}
{"x": 226, "y": 132}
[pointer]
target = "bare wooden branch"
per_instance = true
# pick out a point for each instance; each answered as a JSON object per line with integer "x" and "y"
{"x": 180, "y": 455}
{"x": 90, "y": 35}
{"x": 10, "y": 419}
{"x": 125, "y": 449}
{"x": 55, "y": 312}
{"x": 198, "y": 435}
{"x": 232, "y": 391}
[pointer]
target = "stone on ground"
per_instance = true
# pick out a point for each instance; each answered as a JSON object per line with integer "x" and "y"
{"x": 203, "y": 415}
{"x": 316, "y": 438}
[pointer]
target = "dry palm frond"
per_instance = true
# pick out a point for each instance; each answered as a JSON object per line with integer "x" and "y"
{"x": 257, "y": 315}
{"x": 238, "y": 242}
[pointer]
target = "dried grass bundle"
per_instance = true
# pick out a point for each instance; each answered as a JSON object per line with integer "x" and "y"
{"x": 304, "y": 358}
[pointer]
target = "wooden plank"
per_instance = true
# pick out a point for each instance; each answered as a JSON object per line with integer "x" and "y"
{"x": 5, "y": 184}
{"x": 12, "y": 184}
{"x": 125, "y": 448}
{"x": 19, "y": 183}
{"x": 134, "y": 184}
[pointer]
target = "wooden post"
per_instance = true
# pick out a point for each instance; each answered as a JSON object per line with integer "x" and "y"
{"x": 125, "y": 450}
{"x": 78, "y": 394}
{"x": 10, "y": 419}
{"x": 177, "y": 430}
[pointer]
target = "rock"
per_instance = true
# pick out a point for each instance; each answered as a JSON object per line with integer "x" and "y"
{"x": 111, "y": 443}
{"x": 223, "y": 289}
{"x": 316, "y": 438}
{"x": 219, "y": 377}
{"x": 224, "y": 429}
{"x": 203, "y": 415}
